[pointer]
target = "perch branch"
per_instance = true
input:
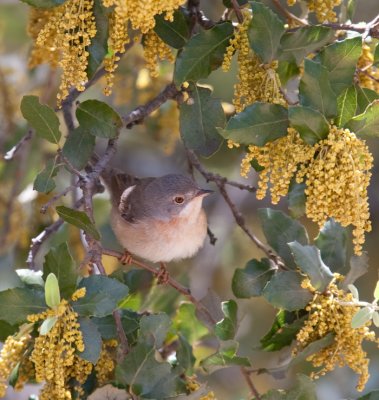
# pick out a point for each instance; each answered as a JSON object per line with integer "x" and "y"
{"x": 250, "y": 383}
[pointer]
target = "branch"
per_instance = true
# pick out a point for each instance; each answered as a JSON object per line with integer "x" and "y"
{"x": 57, "y": 197}
{"x": 250, "y": 383}
{"x": 171, "y": 282}
{"x": 10, "y": 154}
{"x": 138, "y": 114}
{"x": 237, "y": 11}
{"x": 236, "y": 213}
{"x": 288, "y": 15}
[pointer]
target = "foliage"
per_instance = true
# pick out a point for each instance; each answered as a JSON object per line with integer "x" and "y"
{"x": 305, "y": 99}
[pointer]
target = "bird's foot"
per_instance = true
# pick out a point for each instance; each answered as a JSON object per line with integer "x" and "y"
{"x": 126, "y": 258}
{"x": 162, "y": 275}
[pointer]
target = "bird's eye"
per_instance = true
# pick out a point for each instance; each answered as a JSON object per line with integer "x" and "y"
{"x": 179, "y": 199}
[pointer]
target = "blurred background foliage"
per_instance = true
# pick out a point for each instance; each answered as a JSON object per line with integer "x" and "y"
{"x": 153, "y": 148}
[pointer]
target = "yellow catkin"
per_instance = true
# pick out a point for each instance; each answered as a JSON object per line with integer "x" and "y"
{"x": 137, "y": 15}
{"x": 54, "y": 355}
{"x": 155, "y": 50}
{"x": 324, "y": 9}
{"x": 106, "y": 364}
{"x": 10, "y": 355}
{"x": 66, "y": 32}
{"x": 336, "y": 183}
{"x": 256, "y": 81}
{"x": 328, "y": 315}
{"x": 368, "y": 75}
{"x": 193, "y": 385}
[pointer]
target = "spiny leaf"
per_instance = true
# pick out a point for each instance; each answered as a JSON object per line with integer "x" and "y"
{"x": 42, "y": 118}
{"x": 98, "y": 118}
{"x": 198, "y": 121}
{"x": 354, "y": 291}
{"x": 362, "y": 317}
{"x": 79, "y": 147}
{"x": 91, "y": 339}
{"x": 346, "y": 105}
{"x": 311, "y": 124}
{"x": 47, "y": 325}
{"x": 315, "y": 90}
{"x": 257, "y": 124}
{"x": 203, "y": 53}
{"x": 79, "y": 219}
{"x": 265, "y": 31}
{"x": 44, "y": 182}
{"x": 175, "y": 33}
{"x": 227, "y": 327}
{"x": 366, "y": 123}
{"x": 308, "y": 259}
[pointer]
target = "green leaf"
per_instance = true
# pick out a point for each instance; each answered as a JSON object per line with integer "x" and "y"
{"x": 79, "y": 219}
{"x": 18, "y": 303}
{"x": 29, "y": 277}
{"x": 92, "y": 341}
{"x": 79, "y": 147}
{"x": 47, "y": 325}
{"x": 99, "y": 119}
{"x": 346, "y": 106}
{"x": 225, "y": 357}
{"x": 358, "y": 267}
{"x": 186, "y": 322}
{"x": 102, "y": 296}
{"x": 340, "y": 59}
{"x": 107, "y": 328}
{"x": 7, "y": 330}
{"x": 265, "y": 31}
{"x": 52, "y": 296}
{"x": 364, "y": 98}
{"x": 286, "y": 71}
{"x": 284, "y": 291}
{"x": 315, "y": 90}
{"x": 374, "y": 395}
{"x": 257, "y": 124}
{"x": 353, "y": 291}
{"x": 296, "y": 199}
{"x": 9, "y": 278}
{"x": 42, "y": 118}
{"x": 332, "y": 242}
{"x": 279, "y": 230}
{"x": 174, "y": 33}
{"x": 199, "y": 119}
{"x": 184, "y": 354}
{"x": 203, "y": 53}
{"x": 99, "y": 43}
{"x": 375, "y": 319}
{"x": 227, "y": 327}
{"x": 251, "y": 281}
{"x": 145, "y": 376}
{"x": 283, "y": 331}
{"x": 308, "y": 259}
{"x": 311, "y": 124}
{"x": 366, "y": 123}
{"x": 376, "y": 291}
{"x": 44, "y": 182}
{"x": 59, "y": 261}
{"x": 294, "y": 46}
{"x": 154, "y": 329}
{"x": 362, "y": 317}
{"x": 312, "y": 348}
{"x": 44, "y": 3}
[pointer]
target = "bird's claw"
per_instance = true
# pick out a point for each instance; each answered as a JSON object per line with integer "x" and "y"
{"x": 162, "y": 275}
{"x": 126, "y": 258}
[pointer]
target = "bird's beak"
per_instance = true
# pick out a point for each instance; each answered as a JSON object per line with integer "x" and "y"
{"x": 203, "y": 192}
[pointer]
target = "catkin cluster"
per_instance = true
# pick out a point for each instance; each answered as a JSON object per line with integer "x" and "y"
{"x": 62, "y": 36}
{"x": 328, "y": 316}
{"x": 336, "y": 172}
{"x": 256, "y": 81}
{"x": 324, "y": 9}
{"x": 368, "y": 75}
{"x": 193, "y": 385}
{"x": 139, "y": 16}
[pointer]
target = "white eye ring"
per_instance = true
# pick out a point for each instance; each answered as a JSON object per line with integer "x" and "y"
{"x": 179, "y": 199}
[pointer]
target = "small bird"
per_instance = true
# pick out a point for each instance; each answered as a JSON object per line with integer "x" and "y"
{"x": 158, "y": 219}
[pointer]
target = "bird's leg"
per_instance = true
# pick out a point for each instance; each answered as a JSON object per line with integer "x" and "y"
{"x": 163, "y": 275}
{"x": 126, "y": 258}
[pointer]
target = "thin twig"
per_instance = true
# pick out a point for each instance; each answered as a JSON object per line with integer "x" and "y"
{"x": 57, "y": 197}
{"x": 237, "y": 11}
{"x": 121, "y": 333}
{"x": 250, "y": 383}
{"x": 236, "y": 213}
{"x": 290, "y": 17}
{"x": 171, "y": 282}
{"x": 10, "y": 154}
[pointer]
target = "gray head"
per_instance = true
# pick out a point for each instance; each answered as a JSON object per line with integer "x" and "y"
{"x": 162, "y": 198}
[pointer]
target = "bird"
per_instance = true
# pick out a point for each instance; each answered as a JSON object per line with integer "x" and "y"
{"x": 158, "y": 219}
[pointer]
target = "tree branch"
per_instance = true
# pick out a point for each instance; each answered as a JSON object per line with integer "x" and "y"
{"x": 250, "y": 383}
{"x": 236, "y": 213}
{"x": 287, "y": 14}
